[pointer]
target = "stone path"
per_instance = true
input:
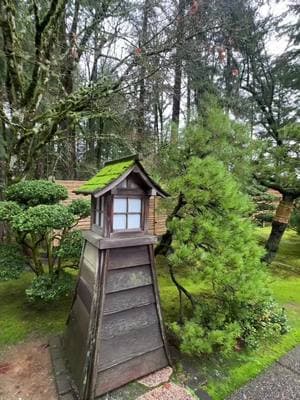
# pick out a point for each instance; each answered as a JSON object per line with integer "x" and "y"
{"x": 279, "y": 382}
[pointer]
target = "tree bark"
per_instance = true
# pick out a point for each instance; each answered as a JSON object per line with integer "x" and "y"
{"x": 164, "y": 246}
{"x": 68, "y": 67}
{"x": 142, "y": 73}
{"x": 177, "y": 72}
{"x": 279, "y": 225}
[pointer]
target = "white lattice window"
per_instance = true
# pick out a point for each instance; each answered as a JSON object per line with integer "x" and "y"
{"x": 127, "y": 213}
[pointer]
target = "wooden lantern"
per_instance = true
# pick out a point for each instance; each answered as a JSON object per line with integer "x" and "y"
{"x": 115, "y": 331}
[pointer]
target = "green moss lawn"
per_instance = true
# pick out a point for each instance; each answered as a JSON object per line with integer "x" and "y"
{"x": 20, "y": 320}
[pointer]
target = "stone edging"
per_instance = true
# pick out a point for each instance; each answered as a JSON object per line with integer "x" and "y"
{"x": 64, "y": 387}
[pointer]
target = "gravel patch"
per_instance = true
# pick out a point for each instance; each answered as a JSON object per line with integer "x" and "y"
{"x": 292, "y": 360}
{"x": 169, "y": 391}
{"x": 157, "y": 378}
{"x": 277, "y": 383}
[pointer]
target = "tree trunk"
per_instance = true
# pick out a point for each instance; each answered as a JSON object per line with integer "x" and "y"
{"x": 68, "y": 46}
{"x": 142, "y": 73}
{"x": 177, "y": 72}
{"x": 3, "y": 165}
{"x": 164, "y": 246}
{"x": 279, "y": 225}
{"x": 188, "y": 101}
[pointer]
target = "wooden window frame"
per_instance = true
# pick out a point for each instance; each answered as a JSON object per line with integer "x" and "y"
{"x": 98, "y": 210}
{"x": 141, "y": 213}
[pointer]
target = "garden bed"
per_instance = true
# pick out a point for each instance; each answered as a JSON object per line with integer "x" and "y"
{"x": 19, "y": 320}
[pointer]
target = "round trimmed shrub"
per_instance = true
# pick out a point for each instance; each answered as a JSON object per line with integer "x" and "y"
{"x": 80, "y": 208}
{"x": 32, "y": 193}
{"x": 71, "y": 245}
{"x": 47, "y": 288}
{"x": 41, "y": 218}
{"x": 8, "y": 209}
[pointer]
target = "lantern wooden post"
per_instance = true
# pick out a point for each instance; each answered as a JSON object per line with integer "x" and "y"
{"x": 115, "y": 332}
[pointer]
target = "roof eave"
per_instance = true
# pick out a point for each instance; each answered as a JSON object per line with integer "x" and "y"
{"x": 140, "y": 169}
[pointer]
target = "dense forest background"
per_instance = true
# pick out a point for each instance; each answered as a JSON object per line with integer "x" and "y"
{"x": 83, "y": 81}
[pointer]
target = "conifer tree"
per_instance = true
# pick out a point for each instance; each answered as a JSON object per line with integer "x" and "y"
{"x": 214, "y": 241}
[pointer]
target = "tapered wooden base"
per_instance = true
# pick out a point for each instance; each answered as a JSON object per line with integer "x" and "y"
{"x": 115, "y": 331}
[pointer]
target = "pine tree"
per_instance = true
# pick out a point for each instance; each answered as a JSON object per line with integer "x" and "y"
{"x": 214, "y": 242}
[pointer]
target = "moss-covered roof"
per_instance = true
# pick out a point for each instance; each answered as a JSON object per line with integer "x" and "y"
{"x": 109, "y": 173}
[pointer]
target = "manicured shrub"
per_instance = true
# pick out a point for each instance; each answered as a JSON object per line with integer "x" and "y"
{"x": 8, "y": 209}
{"x": 71, "y": 246}
{"x": 80, "y": 208}
{"x": 42, "y": 218}
{"x": 48, "y": 288}
{"x": 42, "y": 226}
{"x": 12, "y": 262}
{"x": 32, "y": 193}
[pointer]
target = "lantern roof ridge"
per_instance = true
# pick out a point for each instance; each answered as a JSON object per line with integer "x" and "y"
{"x": 115, "y": 171}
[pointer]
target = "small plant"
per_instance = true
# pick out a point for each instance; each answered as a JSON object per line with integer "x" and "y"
{"x": 12, "y": 262}
{"x": 47, "y": 288}
{"x": 214, "y": 327}
{"x": 263, "y": 321}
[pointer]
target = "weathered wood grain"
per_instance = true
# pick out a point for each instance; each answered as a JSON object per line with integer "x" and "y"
{"x": 128, "y": 278}
{"x": 136, "y": 368}
{"x": 75, "y": 340}
{"x": 128, "y": 257}
{"x": 157, "y": 303}
{"x": 84, "y": 293}
{"x": 80, "y": 313}
{"x": 119, "y": 301}
{"x": 91, "y": 254}
{"x": 87, "y": 390}
{"x": 121, "y": 348}
{"x": 88, "y": 273}
{"x": 123, "y": 322}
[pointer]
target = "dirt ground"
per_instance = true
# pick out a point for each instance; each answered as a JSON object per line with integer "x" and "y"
{"x": 26, "y": 372}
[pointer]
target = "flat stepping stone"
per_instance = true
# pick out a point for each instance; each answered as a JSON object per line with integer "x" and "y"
{"x": 169, "y": 391}
{"x": 157, "y": 378}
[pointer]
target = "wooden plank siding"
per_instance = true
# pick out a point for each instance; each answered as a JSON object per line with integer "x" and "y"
{"x": 130, "y": 338}
{"x": 128, "y": 257}
{"x": 115, "y": 332}
{"x": 127, "y": 299}
{"x": 76, "y": 338}
{"x": 121, "y": 348}
{"x": 156, "y": 216}
{"x": 128, "y": 371}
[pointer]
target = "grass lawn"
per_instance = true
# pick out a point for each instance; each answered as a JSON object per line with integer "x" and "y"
{"x": 20, "y": 320}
